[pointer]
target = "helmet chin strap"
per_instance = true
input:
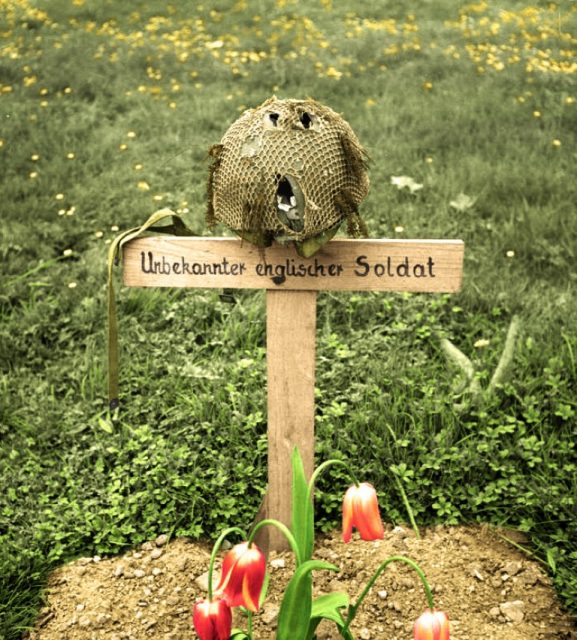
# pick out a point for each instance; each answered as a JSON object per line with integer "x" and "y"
{"x": 177, "y": 228}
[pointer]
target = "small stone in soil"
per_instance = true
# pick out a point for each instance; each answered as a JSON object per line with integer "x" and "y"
{"x": 513, "y": 568}
{"x": 270, "y": 613}
{"x": 202, "y": 581}
{"x": 161, "y": 540}
{"x": 513, "y": 611}
{"x": 278, "y": 563}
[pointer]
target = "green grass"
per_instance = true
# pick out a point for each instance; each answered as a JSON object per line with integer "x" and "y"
{"x": 463, "y": 99}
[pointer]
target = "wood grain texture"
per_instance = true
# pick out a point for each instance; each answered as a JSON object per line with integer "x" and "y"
{"x": 291, "y": 347}
{"x": 341, "y": 265}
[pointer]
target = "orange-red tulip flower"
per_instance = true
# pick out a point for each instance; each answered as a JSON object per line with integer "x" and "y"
{"x": 242, "y": 577}
{"x": 361, "y": 510}
{"x": 432, "y": 625}
{"x": 212, "y": 619}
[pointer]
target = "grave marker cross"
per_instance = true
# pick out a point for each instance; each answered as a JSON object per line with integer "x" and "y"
{"x": 291, "y": 284}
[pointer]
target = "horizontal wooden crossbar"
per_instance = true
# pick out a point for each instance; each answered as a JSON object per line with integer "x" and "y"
{"x": 341, "y": 265}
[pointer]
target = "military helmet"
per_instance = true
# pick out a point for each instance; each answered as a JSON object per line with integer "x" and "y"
{"x": 288, "y": 170}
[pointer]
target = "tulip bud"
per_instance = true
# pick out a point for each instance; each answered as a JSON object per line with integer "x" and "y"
{"x": 432, "y": 625}
{"x": 361, "y": 510}
{"x": 212, "y": 619}
{"x": 242, "y": 577}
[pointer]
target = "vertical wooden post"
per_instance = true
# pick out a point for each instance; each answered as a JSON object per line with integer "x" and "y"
{"x": 291, "y": 352}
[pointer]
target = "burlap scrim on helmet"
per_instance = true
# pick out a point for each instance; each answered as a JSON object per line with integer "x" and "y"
{"x": 289, "y": 170}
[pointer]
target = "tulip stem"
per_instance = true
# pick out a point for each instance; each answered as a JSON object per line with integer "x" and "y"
{"x": 407, "y": 506}
{"x": 321, "y": 468}
{"x": 429, "y": 594}
{"x": 249, "y": 623}
{"x": 283, "y": 529}
{"x": 309, "y": 510}
{"x": 215, "y": 550}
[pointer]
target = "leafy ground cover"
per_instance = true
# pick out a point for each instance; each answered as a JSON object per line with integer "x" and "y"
{"x": 469, "y": 113}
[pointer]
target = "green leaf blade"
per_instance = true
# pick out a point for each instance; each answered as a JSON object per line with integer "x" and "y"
{"x": 302, "y": 524}
{"x": 328, "y": 605}
{"x": 295, "y": 612}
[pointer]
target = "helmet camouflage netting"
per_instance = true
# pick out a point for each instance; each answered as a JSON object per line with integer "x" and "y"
{"x": 288, "y": 170}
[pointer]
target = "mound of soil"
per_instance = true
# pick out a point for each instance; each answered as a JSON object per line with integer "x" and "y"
{"x": 487, "y": 586}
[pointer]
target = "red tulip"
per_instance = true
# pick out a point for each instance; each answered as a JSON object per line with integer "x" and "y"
{"x": 212, "y": 619}
{"x": 361, "y": 510}
{"x": 432, "y": 625}
{"x": 242, "y": 577}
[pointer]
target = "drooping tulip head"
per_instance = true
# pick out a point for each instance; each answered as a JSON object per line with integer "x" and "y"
{"x": 242, "y": 577}
{"x": 212, "y": 620}
{"x": 361, "y": 510}
{"x": 432, "y": 625}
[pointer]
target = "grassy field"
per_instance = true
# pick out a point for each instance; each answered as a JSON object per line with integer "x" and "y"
{"x": 107, "y": 110}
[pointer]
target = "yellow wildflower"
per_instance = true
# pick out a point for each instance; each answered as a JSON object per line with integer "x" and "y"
{"x": 331, "y": 72}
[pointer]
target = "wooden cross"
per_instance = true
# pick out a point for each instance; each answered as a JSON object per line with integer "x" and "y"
{"x": 291, "y": 284}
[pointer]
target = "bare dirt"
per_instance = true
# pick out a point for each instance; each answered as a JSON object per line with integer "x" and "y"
{"x": 489, "y": 588}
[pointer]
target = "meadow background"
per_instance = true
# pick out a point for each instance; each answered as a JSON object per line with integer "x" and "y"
{"x": 107, "y": 109}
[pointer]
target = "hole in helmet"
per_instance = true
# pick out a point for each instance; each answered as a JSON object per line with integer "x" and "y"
{"x": 289, "y": 203}
{"x": 270, "y": 120}
{"x": 309, "y": 121}
{"x": 306, "y": 119}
